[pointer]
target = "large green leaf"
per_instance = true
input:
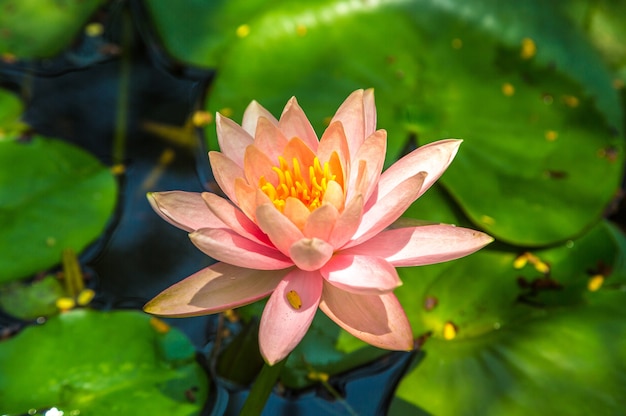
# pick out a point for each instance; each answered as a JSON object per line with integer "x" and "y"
{"x": 41, "y": 28}
{"x": 53, "y": 196}
{"x": 534, "y": 102}
{"x": 100, "y": 363}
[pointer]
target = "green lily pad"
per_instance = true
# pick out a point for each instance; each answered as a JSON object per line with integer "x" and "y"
{"x": 32, "y": 300}
{"x": 41, "y": 28}
{"x": 10, "y": 112}
{"x": 53, "y": 196}
{"x": 91, "y": 362}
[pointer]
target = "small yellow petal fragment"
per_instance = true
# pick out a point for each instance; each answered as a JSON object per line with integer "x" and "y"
{"x": 231, "y": 315}
{"x": 508, "y": 89}
{"x": 65, "y": 304}
{"x": 226, "y": 112}
{"x": 520, "y": 261}
{"x": 486, "y": 219}
{"x": 551, "y": 135}
{"x": 94, "y": 29}
{"x": 118, "y": 169}
{"x": 529, "y": 49}
{"x": 457, "y": 43}
{"x": 243, "y": 31}
{"x": 595, "y": 282}
{"x": 294, "y": 299}
{"x": 449, "y": 331}
{"x": 318, "y": 376}
{"x": 159, "y": 325}
{"x": 201, "y": 118}
{"x": 85, "y": 296}
{"x": 571, "y": 101}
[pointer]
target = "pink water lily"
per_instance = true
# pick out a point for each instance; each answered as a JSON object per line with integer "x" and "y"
{"x": 311, "y": 223}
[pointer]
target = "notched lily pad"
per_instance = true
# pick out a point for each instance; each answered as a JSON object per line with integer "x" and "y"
{"x": 92, "y": 362}
{"x": 53, "y": 196}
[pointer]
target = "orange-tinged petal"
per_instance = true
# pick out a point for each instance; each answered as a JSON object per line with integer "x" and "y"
{"x": 251, "y": 117}
{"x": 232, "y": 139}
{"x": 298, "y": 149}
{"x": 257, "y": 165}
{"x": 361, "y": 274}
{"x": 280, "y": 230}
{"x": 334, "y": 195}
{"x": 185, "y": 210}
{"x": 334, "y": 141}
{"x": 225, "y": 171}
{"x": 424, "y": 244}
{"x": 433, "y": 158}
{"x": 229, "y": 247}
{"x": 234, "y": 218}
{"x": 288, "y": 314}
{"x": 351, "y": 114}
{"x": 376, "y": 319}
{"x": 310, "y": 253}
{"x": 294, "y": 123}
{"x": 269, "y": 139}
{"x": 296, "y": 211}
{"x": 246, "y": 198}
{"x": 372, "y": 153}
{"x": 369, "y": 108}
{"x": 347, "y": 223}
{"x": 321, "y": 222}
{"x": 388, "y": 209}
{"x": 214, "y": 289}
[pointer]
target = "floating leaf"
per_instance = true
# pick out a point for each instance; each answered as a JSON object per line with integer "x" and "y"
{"x": 91, "y": 362}
{"x": 53, "y": 196}
{"x": 32, "y": 300}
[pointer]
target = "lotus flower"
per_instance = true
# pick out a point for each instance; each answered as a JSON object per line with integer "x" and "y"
{"x": 311, "y": 223}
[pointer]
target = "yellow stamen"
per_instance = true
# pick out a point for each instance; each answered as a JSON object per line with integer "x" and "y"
{"x": 292, "y": 184}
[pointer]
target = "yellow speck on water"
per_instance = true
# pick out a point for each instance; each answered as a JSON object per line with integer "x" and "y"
{"x": 202, "y": 118}
{"x": 527, "y": 257}
{"x": 457, "y": 43}
{"x": 529, "y": 49}
{"x": 318, "y": 376}
{"x": 520, "y": 261}
{"x": 159, "y": 325}
{"x": 508, "y": 89}
{"x": 570, "y": 101}
{"x": 243, "y": 31}
{"x": 85, "y": 296}
{"x": 294, "y": 299}
{"x": 595, "y": 282}
{"x": 551, "y": 135}
{"x": 65, "y": 304}
{"x": 449, "y": 331}
{"x": 301, "y": 30}
{"x": 94, "y": 29}
{"x": 118, "y": 169}
{"x": 226, "y": 112}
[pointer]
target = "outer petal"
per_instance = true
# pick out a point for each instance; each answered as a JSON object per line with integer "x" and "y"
{"x": 376, "y": 319}
{"x": 433, "y": 158}
{"x": 369, "y": 108}
{"x": 294, "y": 123}
{"x": 388, "y": 209}
{"x": 214, "y": 289}
{"x": 269, "y": 139}
{"x": 280, "y": 230}
{"x": 288, "y": 314}
{"x": 232, "y": 139}
{"x": 347, "y": 223}
{"x": 310, "y": 253}
{"x": 185, "y": 210}
{"x": 361, "y": 274}
{"x": 234, "y": 218}
{"x": 427, "y": 244}
{"x": 372, "y": 152}
{"x": 351, "y": 114}
{"x": 334, "y": 140}
{"x": 225, "y": 171}
{"x": 229, "y": 247}
{"x": 257, "y": 164}
{"x": 251, "y": 117}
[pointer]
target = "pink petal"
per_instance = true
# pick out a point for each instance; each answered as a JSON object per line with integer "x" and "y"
{"x": 296, "y": 211}
{"x": 256, "y": 165}
{"x": 225, "y": 171}
{"x": 280, "y": 230}
{"x": 234, "y": 218}
{"x": 351, "y": 114}
{"x": 361, "y": 274}
{"x": 388, "y": 209}
{"x": 294, "y": 123}
{"x": 310, "y": 253}
{"x": 288, "y": 314}
{"x": 376, "y": 319}
{"x": 185, "y": 210}
{"x": 347, "y": 223}
{"x": 269, "y": 139}
{"x": 334, "y": 140}
{"x": 246, "y": 198}
{"x": 433, "y": 158}
{"x": 426, "y": 244}
{"x": 321, "y": 222}
{"x": 369, "y": 108}
{"x": 251, "y": 117}
{"x": 232, "y": 139}
{"x": 372, "y": 152}
{"x": 229, "y": 247}
{"x": 214, "y": 289}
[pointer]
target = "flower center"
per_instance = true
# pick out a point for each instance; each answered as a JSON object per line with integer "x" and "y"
{"x": 308, "y": 186}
